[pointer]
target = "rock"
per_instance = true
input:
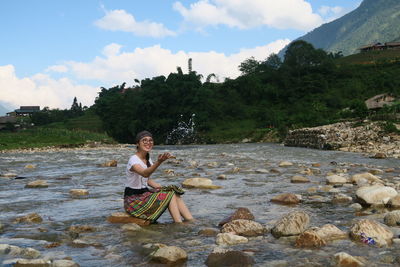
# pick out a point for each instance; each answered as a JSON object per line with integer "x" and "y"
{"x": 8, "y": 175}
{"x": 369, "y": 177}
{"x": 379, "y": 155}
{"x": 229, "y": 258}
{"x": 274, "y": 171}
{"x": 111, "y": 163}
{"x": 30, "y": 166}
{"x": 208, "y": 232}
{"x": 32, "y": 263}
{"x": 198, "y": 182}
{"x": 81, "y": 228}
{"x": 299, "y": 179}
{"x": 342, "y": 259}
{"x": 79, "y": 243}
{"x": 213, "y": 164}
{"x": 375, "y": 171}
{"x": 37, "y": 184}
{"x": 286, "y": 198}
{"x": 316, "y": 165}
{"x": 169, "y": 255}
{"x": 310, "y": 239}
{"x": 30, "y": 218}
{"x": 317, "y": 237}
{"x": 240, "y": 213}
{"x": 293, "y": 223}
{"x": 375, "y": 194}
{"x": 131, "y": 227}
{"x": 356, "y": 206}
{"x": 169, "y": 172}
{"x": 221, "y": 177}
{"x": 243, "y": 227}
{"x": 78, "y": 192}
{"x": 341, "y": 198}
{"x": 285, "y": 164}
{"x": 64, "y": 263}
{"x": 379, "y": 232}
{"x": 230, "y": 239}
{"x": 336, "y": 179}
{"x": 392, "y": 218}
{"x": 30, "y": 253}
{"x": 123, "y": 217}
{"x": 394, "y": 202}
{"x": 262, "y": 171}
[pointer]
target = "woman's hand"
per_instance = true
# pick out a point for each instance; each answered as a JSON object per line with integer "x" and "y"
{"x": 163, "y": 157}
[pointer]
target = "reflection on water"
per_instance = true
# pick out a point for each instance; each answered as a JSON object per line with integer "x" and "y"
{"x": 249, "y": 184}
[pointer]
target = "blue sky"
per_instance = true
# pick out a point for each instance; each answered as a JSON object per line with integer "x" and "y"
{"x": 52, "y": 50}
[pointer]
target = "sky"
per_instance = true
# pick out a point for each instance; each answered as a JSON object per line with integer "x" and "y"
{"x": 52, "y": 51}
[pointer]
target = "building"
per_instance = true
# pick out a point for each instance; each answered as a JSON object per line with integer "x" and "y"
{"x": 24, "y": 111}
{"x": 4, "y": 120}
{"x": 380, "y": 46}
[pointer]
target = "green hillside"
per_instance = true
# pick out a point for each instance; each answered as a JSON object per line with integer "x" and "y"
{"x": 371, "y": 57}
{"x": 373, "y": 21}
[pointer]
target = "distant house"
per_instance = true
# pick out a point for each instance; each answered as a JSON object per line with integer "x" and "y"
{"x": 4, "y": 120}
{"x": 380, "y": 46}
{"x": 379, "y": 101}
{"x": 24, "y": 111}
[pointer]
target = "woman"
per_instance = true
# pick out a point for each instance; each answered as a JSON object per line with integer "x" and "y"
{"x": 144, "y": 198}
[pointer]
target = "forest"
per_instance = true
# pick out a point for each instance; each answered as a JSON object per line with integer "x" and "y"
{"x": 308, "y": 87}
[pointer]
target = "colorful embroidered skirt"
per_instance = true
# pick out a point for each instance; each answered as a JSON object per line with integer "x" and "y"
{"x": 149, "y": 205}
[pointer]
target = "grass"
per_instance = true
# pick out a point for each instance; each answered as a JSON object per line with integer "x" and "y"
{"x": 371, "y": 57}
{"x": 236, "y": 132}
{"x": 44, "y": 137}
{"x": 87, "y": 122}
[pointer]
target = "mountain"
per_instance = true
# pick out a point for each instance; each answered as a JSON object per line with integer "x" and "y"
{"x": 373, "y": 21}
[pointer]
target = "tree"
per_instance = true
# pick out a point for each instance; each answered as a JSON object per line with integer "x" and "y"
{"x": 273, "y": 61}
{"x": 249, "y": 66}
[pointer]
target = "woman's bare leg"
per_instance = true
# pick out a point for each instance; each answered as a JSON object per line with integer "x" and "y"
{"x": 174, "y": 210}
{"x": 183, "y": 209}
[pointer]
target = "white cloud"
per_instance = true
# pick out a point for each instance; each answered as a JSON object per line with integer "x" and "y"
{"x": 331, "y": 13}
{"x": 120, "y": 20}
{"x": 57, "y": 68}
{"x": 244, "y": 14}
{"x": 116, "y": 68}
{"x": 42, "y": 90}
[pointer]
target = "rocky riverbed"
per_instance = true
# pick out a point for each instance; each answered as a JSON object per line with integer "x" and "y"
{"x": 366, "y": 137}
{"x": 255, "y": 204}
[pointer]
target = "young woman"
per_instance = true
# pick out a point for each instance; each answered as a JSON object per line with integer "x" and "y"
{"x": 144, "y": 198}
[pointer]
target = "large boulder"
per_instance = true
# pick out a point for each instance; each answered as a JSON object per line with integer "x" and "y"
{"x": 394, "y": 202}
{"x": 371, "y": 229}
{"x": 230, "y": 239}
{"x": 392, "y": 218}
{"x": 375, "y": 194}
{"x": 286, "y": 199}
{"x": 240, "y": 213}
{"x": 123, "y": 217}
{"x": 293, "y": 223}
{"x": 78, "y": 192}
{"x": 319, "y": 236}
{"x": 198, "y": 182}
{"x": 229, "y": 258}
{"x": 243, "y": 227}
{"x": 169, "y": 255}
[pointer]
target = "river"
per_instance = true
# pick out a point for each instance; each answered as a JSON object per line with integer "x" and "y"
{"x": 247, "y": 184}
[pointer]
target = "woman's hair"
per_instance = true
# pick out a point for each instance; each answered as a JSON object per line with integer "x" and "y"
{"x": 139, "y": 137}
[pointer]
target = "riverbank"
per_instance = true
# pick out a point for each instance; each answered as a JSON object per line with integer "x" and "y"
{"x": 371, "y": 138}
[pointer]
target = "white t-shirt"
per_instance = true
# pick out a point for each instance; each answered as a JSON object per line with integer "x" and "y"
{"x": 133, "y": 179}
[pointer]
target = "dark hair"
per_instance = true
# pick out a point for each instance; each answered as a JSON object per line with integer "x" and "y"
{"x": 142, "y": 134}
{"x": 139, "y": 136}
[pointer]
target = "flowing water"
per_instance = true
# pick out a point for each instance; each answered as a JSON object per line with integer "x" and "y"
{"x": 249, "y": 183}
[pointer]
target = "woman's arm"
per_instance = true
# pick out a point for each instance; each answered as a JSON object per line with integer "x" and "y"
{"x": 146, "y": 172}
{"x": 153, "y": 184}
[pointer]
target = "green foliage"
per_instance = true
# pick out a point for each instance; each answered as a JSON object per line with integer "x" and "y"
{"x": 308, "y": 89}
{"x": 43, "y": 137}
{"x": 389, "y": 127}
